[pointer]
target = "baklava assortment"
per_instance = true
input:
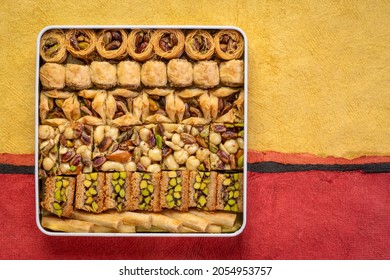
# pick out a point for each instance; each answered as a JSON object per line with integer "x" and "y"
{"x": 141, "y": 130}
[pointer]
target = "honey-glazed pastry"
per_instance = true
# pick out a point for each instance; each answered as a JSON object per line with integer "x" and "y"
{"x": 231, "y": 72}
{"x": 193, "y": 106}
{"x": 78, "y": 77}
{"x": 199, "y": 45}
{"x": 58, "y": 107}
{"x": 168, "y": 43}
{"x": 52, "y": 76}
{"x": 129, "y": 74}
{"x": 230, "y": 192}
{"x": 203, "y": 190}
{"x": 52, "y": 46}
{"x": 227, "y": 105}
{"x": 120, "y": 109}
{"x": 112, "y": 44}
{"x": 89, "y": 192}
{"x": 146, "y": 191}
{"x": 139, "y": 46}
{"x": 158, "y": 106}
{"x": 93, "y": 107}
{"x": 227, "y": 146}
{"x": 174, "y": 190}
{"x": 48, "y": 138}
{"x": 103, "y": 74}
{"x": 184, "y": 147}
{"x": 206, "y": 74}
{"x": 58, "y": 195}
{"x": 154, "y": 73}
{"x": 117, "y": 191}
{"x": 75, "y": 148}
{"x": 229, "y": 44}
{"x": 180, "y": 73}
{"x": 81, "y": 43}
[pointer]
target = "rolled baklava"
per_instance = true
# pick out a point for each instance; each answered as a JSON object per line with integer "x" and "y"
{"x": 229, "y": 44}
{"x": 52, "y": 76}
{"x": 53, "y": 47}
{"x": 199, "y": 45}
{"x": 81, "y": 43}
{"x": 168, "y": 43}
{"x": 112, "y": 44}
{"x": 139, "y": 46}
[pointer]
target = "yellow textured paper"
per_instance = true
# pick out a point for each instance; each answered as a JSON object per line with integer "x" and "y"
{"x": 319, "y": 71}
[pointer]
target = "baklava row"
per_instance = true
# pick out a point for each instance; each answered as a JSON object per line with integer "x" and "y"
{"x": 131, "y": 191}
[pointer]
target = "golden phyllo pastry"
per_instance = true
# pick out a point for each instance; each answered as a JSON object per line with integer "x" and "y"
{"x": 139, "y": 46}
{"x": 229, "y": 44}
{"x": 112, "y": 44}
{"x": 52, "y": 76}
{"x": 52, "y": 46}
{"x": 81, "y": 43}
{"x": 199, "y": 45}
{"x": 129, "y": 74}
{"x": 154, "y": 73}
{"x": 206, "y": 74}
{"x": 231, "y": 72}
{"x": 103, "y": 74}
{"x": 78, "y": 76}
{"x": 180, "y": 73}
{"x": 57, "y": 107}
{"x": 158, "y": 106}
{"x": 168, "y": 43}
{"x": 93, "y": 108}
{"x": 120, "y": 109}
{"x": 227, "y": 105}
{"x": 193, "y": 106}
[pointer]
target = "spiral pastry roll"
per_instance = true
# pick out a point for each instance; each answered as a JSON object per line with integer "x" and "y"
{"x": 52, "y": 46}
{"x": 168, "y": 43}
{"x": 112, "y": 44}
{"x": 199, "y": 45}
{"x": 139, "y": 46}
{"x": 81, "y": 43}
{"x": 229, "y": 44}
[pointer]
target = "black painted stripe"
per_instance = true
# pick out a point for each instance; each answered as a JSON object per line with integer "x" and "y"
{"x": 274, "y": 167}
{"x": 16, "y": 169}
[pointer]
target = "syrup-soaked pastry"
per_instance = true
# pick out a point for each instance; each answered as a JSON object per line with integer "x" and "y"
{"x": 52, "y": 76}
{"x": 203, "y": 190}
{"x": 231, "y": 72}
{"x": 227, "y": 105}
{"x": 229, "y": 44}
{"x": 180, "y": 73}
{"x": 75, "y": 148}
{"x": 48, "y": 138}
{"x": 145, "y": 191}
{"x": 199, "y": 45}
{"x": 158, "y": 106}
{"x": 206, "y": 74}
{"x": 78, "y": 77}
{"x": 230, "y": 192}
{"x": 93, "y": 107}
{"x": 226, "y": 146}
{"x": 103, "y": 74}
{"x": 89, "y": 192}
{"x": 58, "y": 195}
{"x": 120, "y": 108}
{"x": 81, "y": 43}
{"x": 52, "y": 46}
{"x": 58, "y": 107}
{"x": 114, "y": 149}
{"x": 168, "y": 43}
{"x": 112, "y": 44}
{"x": 193, "y": 106}
{"x": 154, "y": 73}
{"x": 117, "y": 191}
{"x": 184, "y": 147}
{"x": 139, "y": 46}
{"x": 174, "y": 190}
{"x": 129, "y": 74}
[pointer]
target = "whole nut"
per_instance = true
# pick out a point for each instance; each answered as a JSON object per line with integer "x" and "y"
{"x": 154, "y": 168}
{"x": 155, "y": 154}
{"x": 45, "y": 132}
{"x": 180, "y": 156}
{"x": 171, "y": 163}
{"x": 191, "y": 148}
{"x": 145, "y": 161}
{"x": 192, "y": 163}
{"x": 215, "y": 138}
{"x": 231, "y": 146}
{"x": 48, "y": 163}
{"x": 144, "y": 134}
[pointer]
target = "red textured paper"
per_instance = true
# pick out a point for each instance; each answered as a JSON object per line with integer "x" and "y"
{"x": 302, "y": 215}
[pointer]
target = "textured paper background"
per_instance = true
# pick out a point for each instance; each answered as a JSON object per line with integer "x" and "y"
{"x": 319, "y": 73}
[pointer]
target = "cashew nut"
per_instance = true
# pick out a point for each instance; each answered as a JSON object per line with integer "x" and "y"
{"x": 45, "y": 132}
{"x": 112, "y": 166}
{"x": 98, "y": 134}
{"x": 171, "y": 163}
{"x": 145, "y": 161}
{"x": 131, "y": 166}
{"x": 154, "y": 168}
